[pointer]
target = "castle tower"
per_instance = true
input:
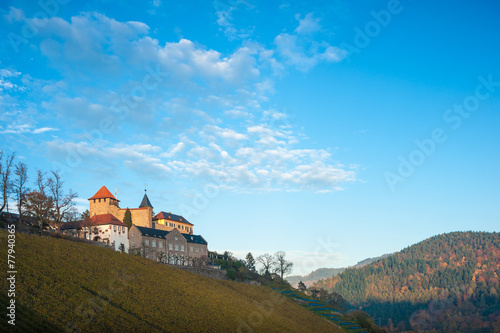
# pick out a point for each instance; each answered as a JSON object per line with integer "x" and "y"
{"x": 146, "y": 204}
{"x": 103, "y": 202}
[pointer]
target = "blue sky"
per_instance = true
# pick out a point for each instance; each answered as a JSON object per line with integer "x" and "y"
{"x": 334, "y": 131}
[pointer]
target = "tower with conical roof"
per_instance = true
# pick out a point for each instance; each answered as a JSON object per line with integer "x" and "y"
{"x": 145, "y": 201}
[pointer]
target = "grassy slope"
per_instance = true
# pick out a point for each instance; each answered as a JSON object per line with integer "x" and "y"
{"x": 62, "y": 284}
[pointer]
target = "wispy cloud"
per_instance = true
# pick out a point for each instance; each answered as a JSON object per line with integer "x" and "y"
{"x": 206, "y": 118}
{"x": 303, "y": 52}
{"x": 25, "y": 128}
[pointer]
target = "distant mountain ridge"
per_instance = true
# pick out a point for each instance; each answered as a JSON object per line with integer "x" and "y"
{"x": 447, "y": 283}
{"x": 319, "y": 274}
{"x": 324, "y": 273}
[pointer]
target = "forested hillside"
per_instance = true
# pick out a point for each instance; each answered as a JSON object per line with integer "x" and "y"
{"x": 449, "y": 282}
{"x": 66, "y": 286}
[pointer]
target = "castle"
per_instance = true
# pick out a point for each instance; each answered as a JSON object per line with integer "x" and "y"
{"x": 164, "y": 237}
{"x": 104, "y": 202}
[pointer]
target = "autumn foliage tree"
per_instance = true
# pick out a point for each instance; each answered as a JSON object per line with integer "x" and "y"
{"x": 39, "y": 203}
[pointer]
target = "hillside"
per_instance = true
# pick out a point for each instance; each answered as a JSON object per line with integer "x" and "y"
{"x": 449, "y": 282}
{"x": 64, "y": 285}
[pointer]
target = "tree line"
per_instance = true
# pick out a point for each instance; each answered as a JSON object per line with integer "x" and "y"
{"x": 452, "y": 278}
{"x": 247, "y": 269}
{"x": 46, "y": 203}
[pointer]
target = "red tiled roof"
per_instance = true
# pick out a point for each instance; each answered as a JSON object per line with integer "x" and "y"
{"x": 102, "y": 220}
{"x": 103, "y": 193}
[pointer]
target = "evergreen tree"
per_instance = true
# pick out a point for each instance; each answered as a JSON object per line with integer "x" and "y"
{"x": 127, "y": 219}
{"x": 85, "y": 215}
{"x": 250, "y": 262}
{"x": 302, "y": 287}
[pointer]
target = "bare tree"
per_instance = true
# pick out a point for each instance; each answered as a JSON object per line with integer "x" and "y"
{"x": 71, "y": 215}
{"x": 5, "y": 171}
{"x": 63, "y": 203}
{"x": 267, "y": 261}
{"x": 161, "y": 256}
{"x": 20, "y": 188}
{"x": 170, "y": 258}
{"x": 38, "y": 204}
{"x": 282, "y": 265}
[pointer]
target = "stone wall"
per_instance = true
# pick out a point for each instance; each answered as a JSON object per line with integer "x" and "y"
{"x": 140, "y": 216}
{"x": 218, "y": 274}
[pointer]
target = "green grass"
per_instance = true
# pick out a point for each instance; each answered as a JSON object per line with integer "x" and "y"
{"x": 68, "y": 286}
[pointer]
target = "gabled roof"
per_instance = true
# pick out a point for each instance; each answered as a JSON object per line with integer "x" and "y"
{"x": 150, "y": 232}
{"x": 103, "y": 219}
{"x": 103, "y": 193}
{"x": 171, "y": 217}
{"x": 158, "y": 233}
{"x": 195, "y": 239}
{"x": 72, "y": 225}
{"x": 145, "y": 202}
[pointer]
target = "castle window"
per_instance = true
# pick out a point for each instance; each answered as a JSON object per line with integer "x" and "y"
{"x": 104, "y": 199}
{"x": 133, "y": 243}
{"x": 182, "y": 248}
{"x": 146, "y": 242}
{"x": 190, "y": 249}
{"x": 178, "y": 226}
{"x": 197, "y": 249}
{"x": 153, "y": 243}
{"x": 114, "y": 228}
{"x": 99, "y": 200}
{"x": 170, "y": 247}
{"x": 160, "y": 244}
{"x": 176, "y": 247}
{"x": 94, "y": 200}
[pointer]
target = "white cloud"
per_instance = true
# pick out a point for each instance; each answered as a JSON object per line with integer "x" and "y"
{"x": 174, "y": 150}
{"x": 4, "y": 72}
{"x": 308, "y": 24}
{"x": 44, "y": 129}
{"x": 223, "y": 133}
{"x": 225, "y": 22}
{"x": 102, "y": 60}
{"x": 14, "y": 15}
{"x": 237, "y": 112}
{"x": 301, "y": 51}
{"x": 318, "y": 175}
{"x": 90, "y": 44}
{"x": 25, "y": 128}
